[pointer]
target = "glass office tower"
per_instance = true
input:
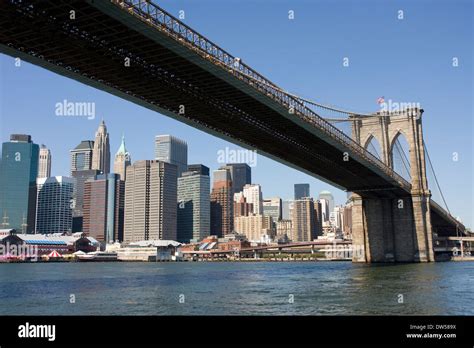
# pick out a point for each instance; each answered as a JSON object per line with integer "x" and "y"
{"x": 301, "y": 191}
{"x": 53, "y": 209}
{"x": 18, "y": 171}
{"x": 194, "y": 207}
{"x": 172, "y": 150}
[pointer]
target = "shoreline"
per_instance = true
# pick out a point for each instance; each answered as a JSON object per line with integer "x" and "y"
{"x": 180, "y": 261}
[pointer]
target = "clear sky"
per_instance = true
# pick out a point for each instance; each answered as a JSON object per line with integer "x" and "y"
{"x": 405, "y": 60}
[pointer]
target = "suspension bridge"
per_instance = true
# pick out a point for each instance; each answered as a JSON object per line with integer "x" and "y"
{"x": 136, "y": 50}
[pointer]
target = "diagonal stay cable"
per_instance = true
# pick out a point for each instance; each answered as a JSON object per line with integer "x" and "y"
{"x": 434, "y": 174}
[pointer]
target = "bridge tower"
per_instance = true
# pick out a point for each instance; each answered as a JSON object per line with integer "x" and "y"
{"x": 393, "y": 229}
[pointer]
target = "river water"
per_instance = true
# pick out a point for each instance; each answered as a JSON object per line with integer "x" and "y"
{"x": 236, "y": 288}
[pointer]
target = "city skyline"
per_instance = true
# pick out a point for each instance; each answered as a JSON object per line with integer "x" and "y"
{"x": 92, "y": 201}
{"x": 450, "y": 98}
{"x": 111, "y": 160}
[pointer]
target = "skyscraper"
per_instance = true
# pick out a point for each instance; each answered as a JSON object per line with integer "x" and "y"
{"x": 81, "y": 156}
{"x": 338, "y": 217}
{"x": 150, "y": 201}
{"x": 101, "y": 152}
{"x": 194, "y": 206}
{"x": 241, "y": 207}
{"x": 18, "y": 172}
{"x": 44, "y": 163}
{"x": 347, "y": 228}
{"x": 273, "y": 207}
{"x": 329, "y": 198}
{"x": 253, "y": 195}
{"x": 303, "y": 220}
{"x": 122, "y": 160}
{"x": 81, "y": 176}
{"x": 324, "y": 209}
{"x": 318, "y": 218}
{"x": 240, "y": 175}
{"x": 222, "y": 220}
{"x": 199, "y": 168}
{"x": 53, "y": 212}
{"x": 81, "y": 170}
{"x": 172, "y": 150}
{"x": 104, "y": 207}
{"x": 301, "y": 191}
{"x": 286, "y": 209}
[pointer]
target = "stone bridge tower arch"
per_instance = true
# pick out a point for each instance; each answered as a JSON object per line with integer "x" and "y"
{"x": 386, "y": 128}
{"x": 393, "y": 242}
{"x": 393, "y": 138}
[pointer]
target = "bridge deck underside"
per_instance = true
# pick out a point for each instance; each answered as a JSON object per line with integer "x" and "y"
{"x": 92, "y": 49}
{"x": 95, "y": 45}
{"x": 444, "y": 225}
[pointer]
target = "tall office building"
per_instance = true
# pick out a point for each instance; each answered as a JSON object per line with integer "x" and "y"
{"x": 222, "y": 221}
{"x": 101, "y": 152}
{"x": 81, "y": 176}
{"x": 199, "y": 168}
{"x": 301, "y": 191}
{"x": 338, "y": 217}
{"x": 273, "y": 207}
{"x": 172, "y": 150}
{"x": 194, "y": 206}
{"x": 104, "y": 208}
{"x": 253, "y": 195}
{"x": 326, "y": 195}
{"x": 303, "y": 220}
{"x": 286, "y": 209}
{"x": 318, "y": 217}
{"x": 325, "y": 213}
{"x": 150, "y": 201}
{"x": 240, "y": 175}
{"x": 81, "y": 156}
{"x": 81, "y": 170}
{"x": 53, "y": 207}
{"x": 44, "y": 162}
{"x": 241, "y": 207}
{"x": 347, "y": 226}
{"x": 122, "y": 160}
{"x": 18, "y": 172}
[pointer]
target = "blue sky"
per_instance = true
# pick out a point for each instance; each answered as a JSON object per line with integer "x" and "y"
{"x": 408, "y": 60}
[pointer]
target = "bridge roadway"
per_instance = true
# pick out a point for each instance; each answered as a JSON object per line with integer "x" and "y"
{"x": 443, "y": 246}
{"x": 179, "y": 73}
{"x": 295, "y": 245}
{"x": 268, "y": 247}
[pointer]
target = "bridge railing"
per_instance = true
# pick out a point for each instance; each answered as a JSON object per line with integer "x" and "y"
{"x": 162, "y": 20}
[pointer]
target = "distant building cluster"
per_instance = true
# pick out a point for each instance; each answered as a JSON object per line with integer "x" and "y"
{"x": 164, "y": 198}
